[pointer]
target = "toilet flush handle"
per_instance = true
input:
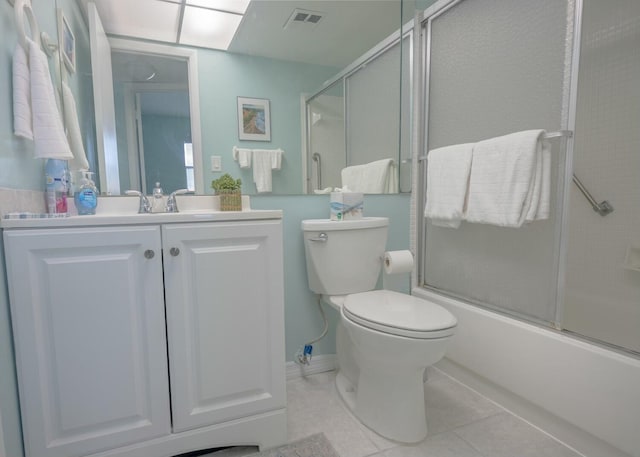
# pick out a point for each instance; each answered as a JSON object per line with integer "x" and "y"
{"x": 321, "y": 238}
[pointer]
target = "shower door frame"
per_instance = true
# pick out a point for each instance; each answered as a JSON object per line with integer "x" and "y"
{"x": 562, "y": 195}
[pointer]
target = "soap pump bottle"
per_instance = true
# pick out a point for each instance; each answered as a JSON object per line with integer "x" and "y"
{"x": 86, "y": 194}
{"x": 157, "y": 205}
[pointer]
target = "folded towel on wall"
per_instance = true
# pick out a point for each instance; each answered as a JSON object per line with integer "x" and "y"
{"x": 509, "y": 182}
{"x": 242, "y": 156}
{"x": 377, "y": 177}
{"x": 262, "y": 169}
{"x": 48, "y": 132}
{"x": 448, "y": 171}
{"x": 21, "y": 94}
{"x": 79, "y": 161}
{"x": 276, "y": 159}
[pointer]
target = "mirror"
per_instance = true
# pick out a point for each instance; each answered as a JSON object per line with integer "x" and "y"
{"x": 264, "y": 62}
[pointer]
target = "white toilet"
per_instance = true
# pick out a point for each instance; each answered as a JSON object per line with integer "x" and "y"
{"x": 385, "y": 339}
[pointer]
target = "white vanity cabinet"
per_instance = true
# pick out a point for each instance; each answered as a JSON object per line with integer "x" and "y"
{"x": 89, "y": 329}
{"x": 91, "y": 337}
{"x": 225, "y": 335}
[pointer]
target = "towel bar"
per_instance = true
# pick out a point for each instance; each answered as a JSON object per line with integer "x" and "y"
{"x": 603, "y": 208}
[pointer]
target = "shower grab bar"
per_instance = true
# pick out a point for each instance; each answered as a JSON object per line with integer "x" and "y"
{"x": 318, "y": 160}
{"x": 603, "y": 208}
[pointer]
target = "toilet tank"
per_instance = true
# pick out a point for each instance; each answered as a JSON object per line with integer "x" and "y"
{"x": 344, "y": 257}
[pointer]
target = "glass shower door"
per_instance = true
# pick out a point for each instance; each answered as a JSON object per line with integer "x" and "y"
{"x": 497, "y": 67}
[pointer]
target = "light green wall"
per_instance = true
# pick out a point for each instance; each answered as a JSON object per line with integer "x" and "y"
{"x": 223, "y": 78}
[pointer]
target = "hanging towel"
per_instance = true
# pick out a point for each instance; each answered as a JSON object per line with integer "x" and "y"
{"x": 262, "y": 170}
{"x": 48, "y": 132}
{"x": 371, "y": 178}
{"x": 510, "y": 180}
{"x": 448, "y": 171}
{"x": 276, "y": 159}
{"x": 242, "y": 156}
{"x": 79, "y": 161}
{"x": 21, "y": 94}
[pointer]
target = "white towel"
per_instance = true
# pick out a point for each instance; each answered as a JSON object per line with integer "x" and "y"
{"x": 448, "y": 171}
{"x": 48, "y": 132}
{"x": 262, "y": 169}
{"x": 276, "y": 159}
{"x": 242, "y": 156}
{"x": 21, "y": 94}
{"x": 79, "y": 161}
{"x": 510, "y": 180}
{"x": 371, "y": 178}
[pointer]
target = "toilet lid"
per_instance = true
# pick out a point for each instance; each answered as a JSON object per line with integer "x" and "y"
{"x": 399, "y": 314}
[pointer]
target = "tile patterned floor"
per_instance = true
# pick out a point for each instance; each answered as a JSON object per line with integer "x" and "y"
{"x": 461, "y": 423}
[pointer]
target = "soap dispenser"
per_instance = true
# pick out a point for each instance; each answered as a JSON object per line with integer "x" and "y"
{"x": 157, "y": 204}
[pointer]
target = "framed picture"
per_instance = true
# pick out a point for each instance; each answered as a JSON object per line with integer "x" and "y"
{"x": 67, "y": 42}
{"x": 254, "y": 119}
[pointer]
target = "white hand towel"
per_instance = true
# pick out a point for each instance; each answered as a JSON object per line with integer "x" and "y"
{"x": 48, "y": 132}
{"x": 21, "y": 94}
{"x": 242, "y": 156}
{"x": 79, "y": 161}
{"x": 276, "y": 159}
{"x": 370, "y": 178}
{"x": 262, "y": 170}
{"x": 508, "y": 178}
{"x": 448, "y": 171}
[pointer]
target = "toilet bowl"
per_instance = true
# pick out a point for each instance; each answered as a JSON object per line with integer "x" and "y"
{"x": 385, "y": 339}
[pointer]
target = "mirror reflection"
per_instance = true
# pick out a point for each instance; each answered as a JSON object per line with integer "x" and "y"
{"x": 333, "y": 86}
{"x": 153, "y": 122}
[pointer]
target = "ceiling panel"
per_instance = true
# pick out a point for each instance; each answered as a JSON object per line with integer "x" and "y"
{"x": 235, "y": 6}
{"x": 208, "y": 28}
{"x": 150, "y": 19}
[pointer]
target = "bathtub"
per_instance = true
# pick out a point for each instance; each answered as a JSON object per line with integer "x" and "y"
{"x": 584, "y": 395}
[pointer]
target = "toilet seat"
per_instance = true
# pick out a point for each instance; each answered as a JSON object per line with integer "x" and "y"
{"x": 399, "y": 314}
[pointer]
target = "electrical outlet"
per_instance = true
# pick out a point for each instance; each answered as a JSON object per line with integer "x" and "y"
{"x": 216, "y": 163}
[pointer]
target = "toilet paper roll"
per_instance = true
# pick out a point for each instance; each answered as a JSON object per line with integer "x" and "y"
{"x": 396, "y": 262}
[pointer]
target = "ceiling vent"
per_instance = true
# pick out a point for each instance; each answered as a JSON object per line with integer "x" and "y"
{"x": 304, "y": 18}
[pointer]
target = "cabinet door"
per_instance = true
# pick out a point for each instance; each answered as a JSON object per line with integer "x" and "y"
{"x": 88, "y": 322}
{"x": 224, "y": 297}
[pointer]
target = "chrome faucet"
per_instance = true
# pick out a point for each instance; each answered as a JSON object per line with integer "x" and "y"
{"x": 172, "y": 203}
{"x": 145, "y": 204}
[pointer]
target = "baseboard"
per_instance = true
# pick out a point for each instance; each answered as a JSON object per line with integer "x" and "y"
{"x": 568, "y": 434}
{"x": 318, "y": 364}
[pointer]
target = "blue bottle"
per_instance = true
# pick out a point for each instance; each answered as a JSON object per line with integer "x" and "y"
{"x": 86, "y": 194}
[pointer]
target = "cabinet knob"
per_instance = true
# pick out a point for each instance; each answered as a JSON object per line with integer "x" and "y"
{"x": 149, "y": 254}
{"x": 174, "y": 251}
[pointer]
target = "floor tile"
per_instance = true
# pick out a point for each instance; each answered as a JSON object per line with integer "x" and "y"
{"x": 450, "y": 404}
{"x": 313, "y": 406}
{"x": 461, "y": 423}
{"x": 505, "y": 435}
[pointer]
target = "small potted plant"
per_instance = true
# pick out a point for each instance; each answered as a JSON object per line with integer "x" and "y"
{"x": 229, "y": 190}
